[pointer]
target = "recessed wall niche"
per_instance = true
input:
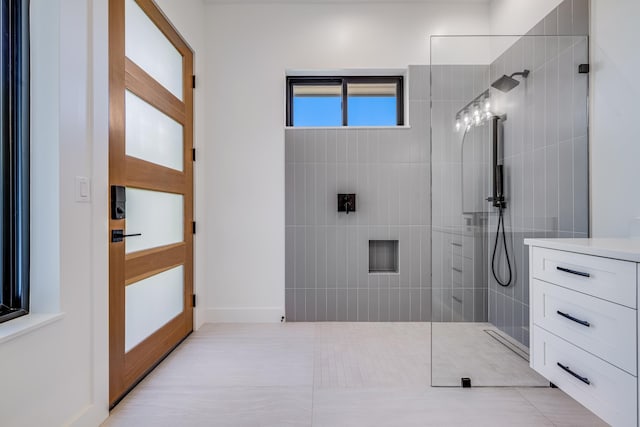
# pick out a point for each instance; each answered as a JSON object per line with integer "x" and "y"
{"x": 383, "y": 256}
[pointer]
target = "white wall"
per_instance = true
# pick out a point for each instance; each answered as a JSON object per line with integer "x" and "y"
{"x": 249, "y": 47}
{"x": 59, "y": 371}
{"x": 613, "y": 96}
{"x": 188, "y": 18}
{"x": 516, "y": 17}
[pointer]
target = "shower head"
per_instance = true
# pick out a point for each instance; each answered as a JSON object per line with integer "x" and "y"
{"x": 506, "y": 83}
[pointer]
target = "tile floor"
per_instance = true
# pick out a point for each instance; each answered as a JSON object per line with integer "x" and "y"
{"x": 467, "y": 350}
{"x": 325, "y": 374}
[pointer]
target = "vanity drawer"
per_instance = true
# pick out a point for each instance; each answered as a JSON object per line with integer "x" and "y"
{"x": 456, "y": 245}
{"x": 609, "y": 279}
{"x": 608, "y": 391}
{"x": 590, "y": 323}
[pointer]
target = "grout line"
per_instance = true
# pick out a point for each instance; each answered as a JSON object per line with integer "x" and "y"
{"x": 517, "y": 389}
{"x": 313, "y": 372}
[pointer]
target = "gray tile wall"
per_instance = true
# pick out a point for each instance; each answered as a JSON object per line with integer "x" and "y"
{"x": 327, "y": 266}
{"x": 545, "y": 151}
{"x": 460, "y": 185}
{"x": 546, "y": 170}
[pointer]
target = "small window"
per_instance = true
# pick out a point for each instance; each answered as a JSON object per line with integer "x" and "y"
{"x": 14, "y": 159}
{"x": 345, "y": 101}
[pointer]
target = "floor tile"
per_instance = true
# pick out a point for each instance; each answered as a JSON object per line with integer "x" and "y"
{"x": 560, "y": 408}
{"x": 243, "y": 361}
{"x": 325, "y": 374}
{"x": 366, "y": 355}
{"x": 467, "y": 350}
{"x": 427, "y": 407}
{"x": 214, "y": 406}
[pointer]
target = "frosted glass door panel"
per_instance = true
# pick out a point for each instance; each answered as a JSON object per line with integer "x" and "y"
{"x": 151, "y": 50}
{"x": 151, "y": 303}
{"x": 158, "y": 216}
{"x": 152, "y": 135}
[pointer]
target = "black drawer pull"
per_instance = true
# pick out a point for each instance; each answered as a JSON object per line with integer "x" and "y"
{"x": 570, "y": 317}
{"x": 578, "y": 273}
{"x": 566, "y": 369}
{"x": 457, "y": 244}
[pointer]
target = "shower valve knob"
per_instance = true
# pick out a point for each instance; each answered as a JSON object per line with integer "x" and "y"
{"x": 346, "y": 203}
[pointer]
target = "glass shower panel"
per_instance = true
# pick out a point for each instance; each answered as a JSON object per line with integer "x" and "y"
{"x": 151, "y": 50}
{"x": 509, "y": 149}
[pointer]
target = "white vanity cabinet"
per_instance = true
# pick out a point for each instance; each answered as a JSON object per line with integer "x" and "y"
{"x": 460, "y": 290}
{"x": 584, "y": 321}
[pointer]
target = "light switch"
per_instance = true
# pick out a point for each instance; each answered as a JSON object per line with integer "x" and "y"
{"x": 83, "y": 189}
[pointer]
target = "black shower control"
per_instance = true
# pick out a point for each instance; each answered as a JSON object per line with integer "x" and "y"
{"x": 346, "y": 203}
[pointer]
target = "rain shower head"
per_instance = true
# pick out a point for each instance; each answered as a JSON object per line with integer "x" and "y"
{"x": 478, "y": 110}
{"x": 506, "y": 83}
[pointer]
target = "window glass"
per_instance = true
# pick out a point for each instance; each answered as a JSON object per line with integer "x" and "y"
{"x": 14, "y": 159}
{"x": 317, "y": 105}
{"x": 372, "y": 104}
{"x": 316, "y": 101}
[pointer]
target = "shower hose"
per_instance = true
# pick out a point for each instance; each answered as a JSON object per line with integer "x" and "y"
{"x": 506, "y": 251}
{"x": 500, "y": 223}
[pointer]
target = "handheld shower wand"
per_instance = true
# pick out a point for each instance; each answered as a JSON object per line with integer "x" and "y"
{"x": 498, "y": 201}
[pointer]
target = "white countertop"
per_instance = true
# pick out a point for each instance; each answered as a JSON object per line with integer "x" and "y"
{"x": 620, "y": 248}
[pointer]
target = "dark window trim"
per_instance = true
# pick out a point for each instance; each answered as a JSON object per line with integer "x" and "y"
{"x": 14, "y": 159}
{"x": 344, "y": 81}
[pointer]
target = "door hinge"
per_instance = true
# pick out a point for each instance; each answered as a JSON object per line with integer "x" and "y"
{"x": 193, "y": 154}
{"x": 194, "y": 227}
{"x": 193, "y": 300}
{"x": 193, "y": 81}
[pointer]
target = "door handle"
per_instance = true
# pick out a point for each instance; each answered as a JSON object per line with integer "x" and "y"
{"x": 118, "y": 235}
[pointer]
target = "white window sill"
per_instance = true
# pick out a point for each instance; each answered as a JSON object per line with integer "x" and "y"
{"x": 25, "y": 324}
{"x": 348, "y": 127}
{"x": 385, "y": 273}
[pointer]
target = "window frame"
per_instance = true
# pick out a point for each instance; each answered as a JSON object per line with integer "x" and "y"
{"x": 344, "y": 82}
{"x": 14, "y": 159}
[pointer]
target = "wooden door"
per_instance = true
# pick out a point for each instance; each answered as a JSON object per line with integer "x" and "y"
{"x": 151, "y": 178}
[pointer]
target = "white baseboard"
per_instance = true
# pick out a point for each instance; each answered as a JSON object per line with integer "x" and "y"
{"x": 91, "y": 416}
{"x": 199, "y": 317}
{"x": 244, "y": 315}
